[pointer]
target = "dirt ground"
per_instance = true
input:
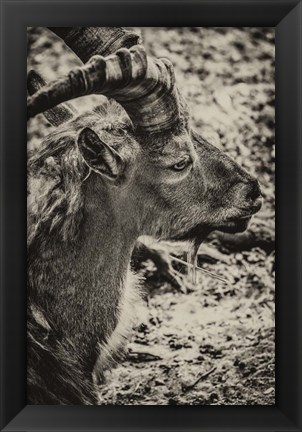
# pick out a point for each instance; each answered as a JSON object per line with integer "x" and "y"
{"x": 212, "y": 342}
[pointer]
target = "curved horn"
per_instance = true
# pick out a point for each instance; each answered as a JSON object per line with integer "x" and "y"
{"x": 86, "y": 42}
{"x": 57, "y": 115}
{"x": 144, "y": 86}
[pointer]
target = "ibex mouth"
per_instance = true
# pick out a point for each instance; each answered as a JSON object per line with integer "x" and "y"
{"x": 236, "y": 226}
{"x": 240, "y": 222}
{"x": 245, "y": 213}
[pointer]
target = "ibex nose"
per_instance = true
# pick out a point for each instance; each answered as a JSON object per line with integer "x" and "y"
{"x": 252, "y": 195}
{"x": 253, "y": 191}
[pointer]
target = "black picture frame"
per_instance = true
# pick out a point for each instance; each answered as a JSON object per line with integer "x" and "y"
{"x": 286, "y": 16}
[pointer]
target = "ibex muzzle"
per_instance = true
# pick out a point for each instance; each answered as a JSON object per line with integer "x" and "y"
{"x": 231, "y": 195}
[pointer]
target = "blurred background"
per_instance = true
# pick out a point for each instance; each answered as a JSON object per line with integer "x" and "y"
{"x": 211, "y": 342}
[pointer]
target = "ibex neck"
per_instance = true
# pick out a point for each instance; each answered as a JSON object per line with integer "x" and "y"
{"x": 107, "y": 237}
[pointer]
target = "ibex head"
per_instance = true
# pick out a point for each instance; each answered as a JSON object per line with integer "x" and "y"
{"x": 157, "y": 172}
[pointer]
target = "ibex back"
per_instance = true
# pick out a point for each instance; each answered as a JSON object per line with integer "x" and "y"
{"x": 99, "y": 182}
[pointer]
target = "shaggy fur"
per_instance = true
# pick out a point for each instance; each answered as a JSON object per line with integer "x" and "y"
{"x": 54, "y": 377}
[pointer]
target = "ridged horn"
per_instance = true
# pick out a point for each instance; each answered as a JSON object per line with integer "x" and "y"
{"x": 86, "y": 42}
{"x": 57, "y": 115}
{"x": 144, "y": 86}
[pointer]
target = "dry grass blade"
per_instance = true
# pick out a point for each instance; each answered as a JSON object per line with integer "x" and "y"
{"x": 200, "y": 378}
{"x": 213, "y": 275}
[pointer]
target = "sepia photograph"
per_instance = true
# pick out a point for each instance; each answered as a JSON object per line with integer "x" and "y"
{"x": 151, "y": 216}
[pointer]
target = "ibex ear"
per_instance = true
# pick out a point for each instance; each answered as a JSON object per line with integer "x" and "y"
{"x": 99, "y": 156}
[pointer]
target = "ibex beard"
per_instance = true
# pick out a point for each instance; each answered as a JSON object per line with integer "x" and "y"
{"x": 97, "y": 183}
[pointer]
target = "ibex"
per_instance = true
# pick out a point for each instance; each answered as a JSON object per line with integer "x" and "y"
{"x": 133, "y": 166}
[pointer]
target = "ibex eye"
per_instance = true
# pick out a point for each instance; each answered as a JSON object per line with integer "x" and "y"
{"x": 181, "y": 165}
